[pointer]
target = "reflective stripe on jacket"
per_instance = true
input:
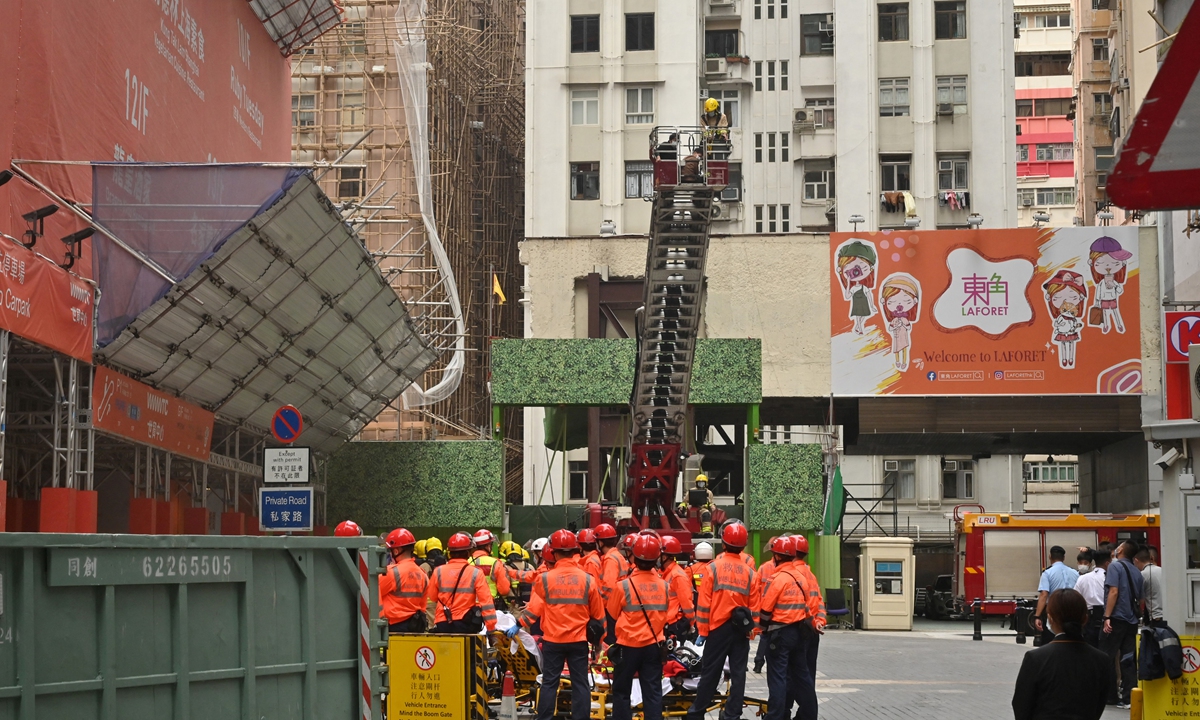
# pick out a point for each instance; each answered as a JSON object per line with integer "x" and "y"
{"x": 785, "y": 596}
{"x": 497, "y": 577}
{"x": 728, "y": 584}
{"x": 613, "y": 567}
{"x": 592, "y": 565}
{"x": 564, "y": 598}
{"x": 460, "y": 586}
{"x": 402, "y": 591}
{"x": 626, "y": 606}
{"x": 679, "y": 593}
{"x": 816, "y": 604}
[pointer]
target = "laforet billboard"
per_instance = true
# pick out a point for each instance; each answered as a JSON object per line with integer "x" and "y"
{"x": 1022, "y": 311}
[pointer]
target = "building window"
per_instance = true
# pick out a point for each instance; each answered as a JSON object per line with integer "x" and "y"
{"x": 783, "y": 74}
{"x": 351, "y": 182}
{"x": 1043, "y": 64}
{"x": 1100, "y": 49}
{"x": 822, "y": 111}
{"x": 1024, "y": 108}
{"x": 639, "y": 179}
{"x": 758, "y": 9}
{"x": 1104, "y": 158}
{"x": 1044, "y": 20}
{"x": 758, "y": 147}
{"x": 758, "y": 218}
{"x": 818, "y": 179}
{"x": 895, "y": 172}
{"x": 304, "y": 110}
{"x": 893, "y": 22}
{"x": 952, "y": 172}
{"x": 353, "y": 107}
{"x": 783, "y": 147}
{"x": 772, "y": 211}
{"x": 639, "y": 106}
{"x": 770, "y": 74}
{"x": 585, "y": 181}
{"x": 958, "y": 479}
{"x": 354, "y": 38}
{"x": 950, "y": 20}
{"x": 900, "y": 479}
{"x": 758, "y": 68}
{"x": 577, "y": 471}
{"x": 1099, "y": 4}
{"x": 952, "y": 90}
{"x": 1022, "y": 153}
{"x": 721, "y": 43}
{"x": 585, "y": 107}
{"x": 816, "y": 34}
{"x": 1056, "y": 196}
{"x": 770, "y": 9}
{"x": 639, "y": 31}
{"x": 733, "y": 190}
{"x": 1051, "y": 472}
{"x": 585, "y": 33}
{"x": 770, "y": 147}
{"x": 729, "y": 104}
{"x": 1055, "y": 151}
{"x": 1043, "y": 107}
{"x": 893, "y": 97}
{"x": 785, "y": 218}
{"x": 783, "y": 9}
{"x": 1102, "y": 103}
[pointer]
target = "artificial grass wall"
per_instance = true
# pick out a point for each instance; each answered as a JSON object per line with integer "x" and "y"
{"x": 784, "y": 490}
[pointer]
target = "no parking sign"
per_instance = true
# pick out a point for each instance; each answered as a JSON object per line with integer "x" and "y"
{"x": 287, "y": 424}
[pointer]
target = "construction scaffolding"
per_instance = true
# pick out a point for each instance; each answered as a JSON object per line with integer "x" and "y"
{"x": 348, "y": 109}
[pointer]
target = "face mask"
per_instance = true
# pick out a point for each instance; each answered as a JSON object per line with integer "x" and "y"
{"x": 1085, "y": 568}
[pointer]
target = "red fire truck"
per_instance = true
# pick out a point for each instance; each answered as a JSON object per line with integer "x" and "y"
{"x": 1000, "y": 556}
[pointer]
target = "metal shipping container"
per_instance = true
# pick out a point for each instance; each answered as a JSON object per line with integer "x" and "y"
{"x": 189, "y": 627}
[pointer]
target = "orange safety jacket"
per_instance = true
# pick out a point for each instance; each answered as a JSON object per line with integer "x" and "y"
{"x": 748, "y": 559}
{"x": 642, "y": 591}
{"x": 497, "y": 574}
{"x": 762, "y": 576}
{"x": 402, "y": 591}
{"x": 613, "y": 567}
{"x": 679, "y": 593}
{"x": 593, "y": 566}
{"x": 785, "y": 596}
{"x": 461, "y": 586}
{"x": 729, "y": 583}
{"x": 816, "y": 604}
{"x": 698, "y": 569}
{"x": 564, "y": 599}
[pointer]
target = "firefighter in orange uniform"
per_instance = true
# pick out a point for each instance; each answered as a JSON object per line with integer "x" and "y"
{"x": 681, "y": 609}
{"x": 567, "y": 604}
{"x": 591, "y": 557}
{"x": 816, "y": 604}
{"x": 725, "y": 613}
{"x": 702, "y": 556}
{"x": 640, "y": 605}
{"x": 459, "y": 591}
{"x": 497, "y": 575}
{"x": 787, "y": 627}
{"x": 760, "y": 580}
{"x": 402, "y": 587}
{"x": 625, "y": 547}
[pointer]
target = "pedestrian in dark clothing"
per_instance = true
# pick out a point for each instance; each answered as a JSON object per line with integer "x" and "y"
{"x": 1065, "y": 678}
{"x": 1123, "y": 585}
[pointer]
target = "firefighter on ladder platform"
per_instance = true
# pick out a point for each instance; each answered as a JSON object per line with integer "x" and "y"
{"x": 567, "y": 604}
{"x": 403, "y": 586}
{"x": 459, "y": 592}
{"x": 725, "y": 616}
{"x": 787, "y": 630}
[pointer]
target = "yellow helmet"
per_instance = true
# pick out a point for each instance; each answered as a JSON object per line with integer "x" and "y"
{"x": 508, "y": 547}
{"x": 525, "y": 554}
{"x": 433, "y": 544}
{"x": 711, "y": 105}
{"x": 702, "y": 478}
{"x": 419, "y": 549}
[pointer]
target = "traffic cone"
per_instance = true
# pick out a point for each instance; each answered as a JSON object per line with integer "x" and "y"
{"x": 508, "y": 700}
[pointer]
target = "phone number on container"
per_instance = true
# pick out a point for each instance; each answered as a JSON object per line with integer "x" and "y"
{"x": 185, "y": 565}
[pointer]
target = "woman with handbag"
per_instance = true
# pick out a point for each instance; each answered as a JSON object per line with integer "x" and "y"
{"x": 639, "y": 603}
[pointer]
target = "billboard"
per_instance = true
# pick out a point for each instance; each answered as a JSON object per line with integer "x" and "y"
{"x": 1021, "y": 311}
{"x": 40, "y": 301}
{"x": 136, "y": 411}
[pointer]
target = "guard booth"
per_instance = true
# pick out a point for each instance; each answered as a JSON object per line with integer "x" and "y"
{"x": 887, "y": 594}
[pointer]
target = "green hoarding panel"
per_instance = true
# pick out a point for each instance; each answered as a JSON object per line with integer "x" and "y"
{"x": 117, "y": 627}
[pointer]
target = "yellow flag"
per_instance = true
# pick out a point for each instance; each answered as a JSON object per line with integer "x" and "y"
{"x": 496, "y": 290}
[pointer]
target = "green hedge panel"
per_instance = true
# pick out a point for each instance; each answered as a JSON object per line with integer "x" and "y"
{"x": 784, "y": 489}
{"x": 599, "y": 372}
{"x": 457, "y": 484}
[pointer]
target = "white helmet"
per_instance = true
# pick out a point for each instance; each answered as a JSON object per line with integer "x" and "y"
{"x": 538, "y": 545}
{"x": 704, "y": 551}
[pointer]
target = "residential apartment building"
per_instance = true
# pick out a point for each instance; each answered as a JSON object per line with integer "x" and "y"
{"x": 810, "y": 148}
{"x": 1045, "y": 131}
{"x": 1092, "y": 76}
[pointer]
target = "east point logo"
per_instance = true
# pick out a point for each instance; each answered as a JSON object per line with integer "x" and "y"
{"x": 984, "y": 294}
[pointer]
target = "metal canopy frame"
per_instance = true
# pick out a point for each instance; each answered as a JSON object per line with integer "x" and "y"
{"x": 292, "y": 24}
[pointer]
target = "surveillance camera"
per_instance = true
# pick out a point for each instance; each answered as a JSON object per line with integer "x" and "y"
{"x": 1168, "y": 458}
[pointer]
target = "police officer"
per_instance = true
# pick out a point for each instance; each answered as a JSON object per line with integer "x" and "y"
{"x": 725, "y": 619}
{"x": 564, "y": 601}
{"x": 460, "y": 592}
{"x": 402, "y": 587}
{"x": 497, "y": 577}
{"x": 784, "y": 617}
{"x": 640, "y": 606}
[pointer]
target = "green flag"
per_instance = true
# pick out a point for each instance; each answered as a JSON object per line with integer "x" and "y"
{"x": 835, "y": 503}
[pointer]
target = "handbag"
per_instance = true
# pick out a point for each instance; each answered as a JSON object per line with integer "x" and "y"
{"x": 1095, "y": 316}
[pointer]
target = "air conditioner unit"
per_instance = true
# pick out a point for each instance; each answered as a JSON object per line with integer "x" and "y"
{"x": 1027, "y": 202}
{"x": 1124, "y": 83}
{"x": 731, "y": 194}
{"x": 891, "y": 465}
{"x": 802, "y": 121}
{"x": 715, "y": 66}
{"x": 945, "y": 109}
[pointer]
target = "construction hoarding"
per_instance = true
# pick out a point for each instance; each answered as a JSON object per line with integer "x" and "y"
{"x": 1023, "y": 311}
{"x": 137, "y": 411}
{"x": 43, "y": 303}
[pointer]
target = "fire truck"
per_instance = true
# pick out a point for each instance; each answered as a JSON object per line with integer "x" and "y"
{"x": 999, "y": 557}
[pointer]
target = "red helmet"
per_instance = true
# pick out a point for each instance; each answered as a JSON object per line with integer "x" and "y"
{"x": 604, "y": 531}
{"x": 563, "y": 540}
{"x": 734, "y": 535}
{"x": 587, "y": 536}
{"x": 628, "y": 541}
{"x": 347, "y": 528}
{"x": 483, "y": 536}
{"x": 646, "y": 547}
{"x": 783, "y": 546}
{"x": 801, "y": 543}
{"x": 671, "y": 545}
{"x": 459, "y": 541}
{"x": 399, "y": 538}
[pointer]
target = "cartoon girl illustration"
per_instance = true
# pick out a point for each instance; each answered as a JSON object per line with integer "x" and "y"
{"x": 1108, "y": 259}
{"x": 1066, "y": 297}
{"x": 900, "y": 299}
{"x": 856, "y": 272}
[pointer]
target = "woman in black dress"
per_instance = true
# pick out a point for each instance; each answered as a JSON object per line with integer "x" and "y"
{"x": 1066, "y": 679}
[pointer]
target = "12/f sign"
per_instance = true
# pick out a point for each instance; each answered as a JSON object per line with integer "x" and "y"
{"x": 285, "y": 465}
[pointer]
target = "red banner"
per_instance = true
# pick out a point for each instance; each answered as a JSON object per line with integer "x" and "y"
{"x": 43, "y": 303}
{"x": 126, "y": 407}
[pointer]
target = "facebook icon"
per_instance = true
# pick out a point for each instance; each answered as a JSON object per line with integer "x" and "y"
{"x": 931, "y": 375}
